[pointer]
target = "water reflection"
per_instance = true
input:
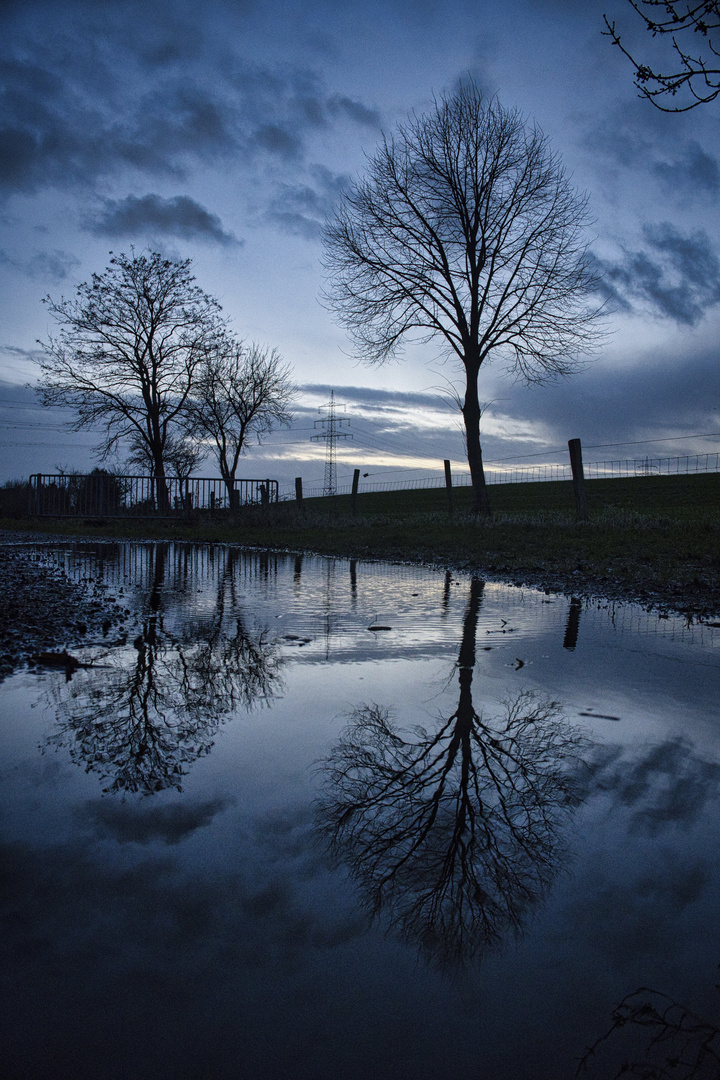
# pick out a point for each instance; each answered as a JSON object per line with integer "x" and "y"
{"x": 141, "y": 725}
{"x": 453, "y": 833}
{"x": 572, "y": 627}
{"x": 676, "y": 1043}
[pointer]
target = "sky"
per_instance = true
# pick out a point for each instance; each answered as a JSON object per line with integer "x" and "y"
{"x": 226, "y": 132}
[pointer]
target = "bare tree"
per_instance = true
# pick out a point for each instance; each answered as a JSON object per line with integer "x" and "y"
{"x": 465, "y": 230}
{"x": 241, "y": 392}
{"x": 696, "y": 63}
{"x": 182, "y": 455}
{"x": 127, "y": 353}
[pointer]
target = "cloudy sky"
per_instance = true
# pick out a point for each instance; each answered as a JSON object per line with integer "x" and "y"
{"x": 225, "y": 132}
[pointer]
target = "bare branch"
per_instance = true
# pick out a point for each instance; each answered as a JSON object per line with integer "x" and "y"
{"x": 696, "y": 66}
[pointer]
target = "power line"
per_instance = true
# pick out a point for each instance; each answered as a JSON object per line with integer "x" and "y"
{"x": 603, "y": 446}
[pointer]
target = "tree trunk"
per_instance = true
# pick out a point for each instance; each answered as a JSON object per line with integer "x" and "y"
{"x": 471, "y": 415}
{"x": 229, "y": 481}
{"x": 162, "y": 496}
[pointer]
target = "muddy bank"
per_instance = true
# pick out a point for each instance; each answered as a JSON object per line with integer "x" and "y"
{"x": 43, "y": 611}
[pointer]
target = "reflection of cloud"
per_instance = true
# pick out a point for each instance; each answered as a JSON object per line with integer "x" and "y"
{"x": 150, "y": 960}
{"x": 142, "y": 823}
{"x": 670, "y": 784}
{"x": 178, "y": 216}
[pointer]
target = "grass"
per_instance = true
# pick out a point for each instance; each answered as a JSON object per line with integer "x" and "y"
{"x": 656, "y": 539}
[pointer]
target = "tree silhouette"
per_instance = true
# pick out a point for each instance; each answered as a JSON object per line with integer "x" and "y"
{"x": 242, "y": 392}
{"x": 127, "y": 352}
{"x": 466, "y": 231}
{"x": 454, "y": 833}
{"x": 693, "y": 28}
{"x": 678, "y": 1045}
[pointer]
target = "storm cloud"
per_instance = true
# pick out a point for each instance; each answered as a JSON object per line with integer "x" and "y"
{"x": 80, "y": 105}
{"x": 43, "y": 265}
{"x": 179, "y": 216}
{"x": 676, "y": 275}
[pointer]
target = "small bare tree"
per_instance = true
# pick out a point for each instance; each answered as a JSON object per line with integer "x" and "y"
{"x": 466, "y": 230}
{"x": 182, "y": 455}
{"x": 683, "y": 21}
{"x": 241, "y": 392}
{"x": 127, "y": 354}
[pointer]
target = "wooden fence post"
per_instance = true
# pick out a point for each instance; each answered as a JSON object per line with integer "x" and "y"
{"x": 448, "y": 486}
{"x": 298, "y": 492}
{"x": 576, "y": 464}
{"x": 353, "y": 498}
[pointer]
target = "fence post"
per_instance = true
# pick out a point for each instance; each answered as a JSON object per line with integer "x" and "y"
{"x": 264, "y": 493}
{"x": 298, "y": 492}
{"x": 576, "y": 464}
{"x": 448, "y": 485}
{"x": 353, "y": 498}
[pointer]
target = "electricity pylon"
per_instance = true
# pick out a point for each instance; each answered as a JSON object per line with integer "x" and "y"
{"x": 331, "y": 433}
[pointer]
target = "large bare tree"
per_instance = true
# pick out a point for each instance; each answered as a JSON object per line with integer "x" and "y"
{"x": 694, "y": 73}
{"x": 127, "y": 353}
{"x": 242, "y": 392}
{"x": 465, "y": 230}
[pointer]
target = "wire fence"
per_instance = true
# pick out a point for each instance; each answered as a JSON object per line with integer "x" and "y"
{"x": 106, "y": 495}
{"x": 524, "y": 474}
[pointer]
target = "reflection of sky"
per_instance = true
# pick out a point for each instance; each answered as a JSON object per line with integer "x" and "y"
{"x": 202, "y": 933}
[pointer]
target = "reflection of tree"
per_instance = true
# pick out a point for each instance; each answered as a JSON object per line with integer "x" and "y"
{"x": 453, "y": 833}
{"x": 231, "y": 668}
{"x": 142, "y": 725}
{"x": 679, "y": 1044}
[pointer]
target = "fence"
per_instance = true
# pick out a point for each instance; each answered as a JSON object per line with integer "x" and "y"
{"x": 523, "y": 474}
{"x": 104, "y": 495}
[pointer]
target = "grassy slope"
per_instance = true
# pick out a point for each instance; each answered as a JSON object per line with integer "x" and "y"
{"x": 653, "y": 538}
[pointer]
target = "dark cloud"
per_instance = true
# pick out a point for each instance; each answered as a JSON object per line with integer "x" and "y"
{"x": 278, "y": 140}
{"x": 694, "y": 171}
{"x": 142, "y": 823}
{"x": 340, "y": 105}
{"x": 177, "y": 216}
{"x": 678, "y": 395}
{"x": 677, "y": 275}
{"x": 368, "y": 395}
{"x": 42, "y": 265}
{"x": 301, "y": 209}
{"x": 81, "y": 106}
{"x": 641, "y": 144}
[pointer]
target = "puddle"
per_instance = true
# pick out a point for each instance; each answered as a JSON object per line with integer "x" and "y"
{"x": 310, "y": 817}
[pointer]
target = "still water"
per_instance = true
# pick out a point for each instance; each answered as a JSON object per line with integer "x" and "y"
{"x": 252, "y": 837}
